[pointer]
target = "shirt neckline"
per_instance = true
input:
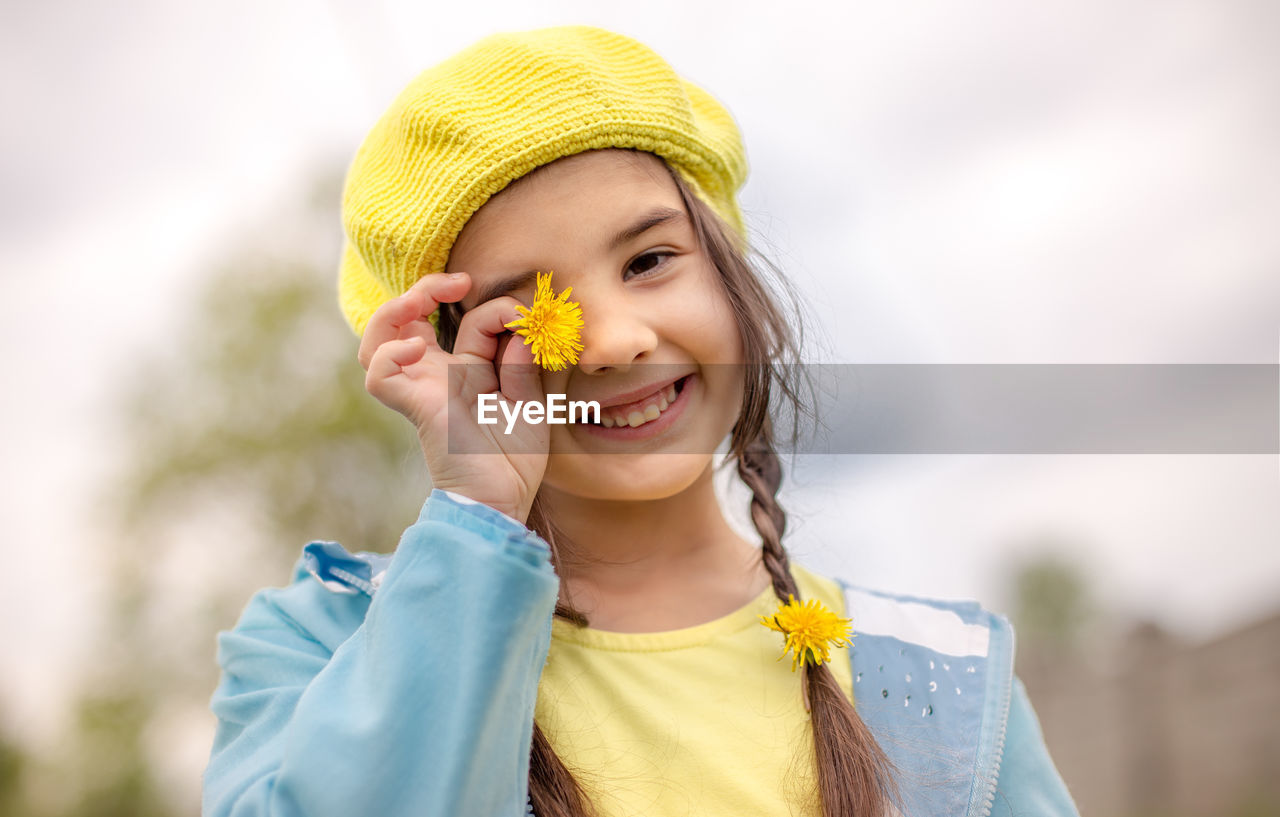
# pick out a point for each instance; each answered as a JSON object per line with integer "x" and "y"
{"x": 682, "y": 638}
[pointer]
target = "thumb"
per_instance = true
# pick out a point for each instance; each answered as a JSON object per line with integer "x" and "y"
{"x": 519, "y": 378}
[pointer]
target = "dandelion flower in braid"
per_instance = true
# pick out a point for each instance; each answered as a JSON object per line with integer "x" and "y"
{"x": 811, "y": 630}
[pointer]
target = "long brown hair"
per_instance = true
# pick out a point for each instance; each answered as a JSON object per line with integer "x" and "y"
{"x": 854, "y": 775}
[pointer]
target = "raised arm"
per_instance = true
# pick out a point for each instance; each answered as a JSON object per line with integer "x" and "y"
{"x": 417, "y": 701}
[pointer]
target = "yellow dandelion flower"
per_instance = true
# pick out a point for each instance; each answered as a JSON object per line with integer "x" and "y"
{"x": 552, "y": 326}
{"x": 811, "y": 630}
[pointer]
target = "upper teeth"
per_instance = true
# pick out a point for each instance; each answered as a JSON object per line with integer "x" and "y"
{"x": 638, "y": 417}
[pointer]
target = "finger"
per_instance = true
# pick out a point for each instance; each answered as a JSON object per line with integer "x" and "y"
{"x": 407, "y": 315}
{"x": 481, "y": 329}
{"x": 519, "y": 377}
{"x": 387, "y": 363}
{"x": 503, "y": 341}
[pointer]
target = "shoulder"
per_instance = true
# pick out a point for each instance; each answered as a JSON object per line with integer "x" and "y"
{"x": 456, "y": 548}
{"x": 315, "y": 613}
{"x": 325, "y": 601}
{"x": 933, "y": 680}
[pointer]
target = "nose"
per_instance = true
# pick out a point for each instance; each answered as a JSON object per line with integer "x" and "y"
{"x": 615, "y": 334}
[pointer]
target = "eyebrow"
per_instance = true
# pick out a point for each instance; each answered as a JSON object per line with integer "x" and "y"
{"x": 661, "y": 215}
{"x": 506, "y": 286}
{"x": 654, "y": 218}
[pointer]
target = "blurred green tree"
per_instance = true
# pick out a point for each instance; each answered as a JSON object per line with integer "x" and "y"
{"x": 112, "y": 770}
{"x": 1051, "y": 601}
{"x": 1052, "y": 610}
{"x": 13, "y": 761}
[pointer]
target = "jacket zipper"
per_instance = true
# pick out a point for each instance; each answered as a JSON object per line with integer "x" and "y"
{"x": 989, "y": 800}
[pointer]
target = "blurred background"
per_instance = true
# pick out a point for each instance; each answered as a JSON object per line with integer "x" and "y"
{"x": 986, "y": 182}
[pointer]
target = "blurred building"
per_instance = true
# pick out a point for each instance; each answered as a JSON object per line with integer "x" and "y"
{"x": 1161, "y": 727}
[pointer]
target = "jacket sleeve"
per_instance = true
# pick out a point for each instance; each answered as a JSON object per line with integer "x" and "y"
{"x": 417, "y": 702}
{"x": 1029, "y": 784}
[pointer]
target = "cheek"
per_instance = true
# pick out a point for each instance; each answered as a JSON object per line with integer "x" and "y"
{"x": 701, "y": 315}
{"x": 726, "y": 390}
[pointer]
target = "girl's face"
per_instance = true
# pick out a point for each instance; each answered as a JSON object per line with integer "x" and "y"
{"x": 611, "y": 224}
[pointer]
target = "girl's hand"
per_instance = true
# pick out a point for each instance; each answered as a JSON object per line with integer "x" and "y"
{"x": 409, "y": 372}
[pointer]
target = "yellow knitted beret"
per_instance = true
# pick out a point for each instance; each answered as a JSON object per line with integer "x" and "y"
{"x": 465, "y": 129}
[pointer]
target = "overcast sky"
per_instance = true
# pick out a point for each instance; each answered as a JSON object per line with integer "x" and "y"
{"x": 979, "y": 182}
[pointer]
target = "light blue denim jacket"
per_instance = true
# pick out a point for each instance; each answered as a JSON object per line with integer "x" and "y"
{"x": 405, "y": 685}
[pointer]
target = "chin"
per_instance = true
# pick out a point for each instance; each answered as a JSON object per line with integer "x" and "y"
{"x": 625, "y": 477}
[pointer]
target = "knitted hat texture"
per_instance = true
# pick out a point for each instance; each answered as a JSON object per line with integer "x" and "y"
{"x": 465, "y": 129}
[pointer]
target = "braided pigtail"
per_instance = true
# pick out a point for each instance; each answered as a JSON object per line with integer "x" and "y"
{"x": 553, "y": 790}
{"x": 759, "y": 468}
{"x": 854, "y": 775}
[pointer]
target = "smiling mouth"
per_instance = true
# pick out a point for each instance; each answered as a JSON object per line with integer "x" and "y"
{"x": 640, "y": 412}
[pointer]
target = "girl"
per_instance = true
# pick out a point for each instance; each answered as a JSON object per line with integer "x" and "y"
{"x": 571, "y": 627}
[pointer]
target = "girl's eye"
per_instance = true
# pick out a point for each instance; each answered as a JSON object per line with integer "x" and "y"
{"x": 646, "y": 264}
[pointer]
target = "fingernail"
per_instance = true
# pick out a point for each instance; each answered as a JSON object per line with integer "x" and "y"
{"x": 456, "y": 276}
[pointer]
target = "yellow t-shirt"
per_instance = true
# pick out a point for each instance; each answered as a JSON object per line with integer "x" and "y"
{"x": 700, "y": 721}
